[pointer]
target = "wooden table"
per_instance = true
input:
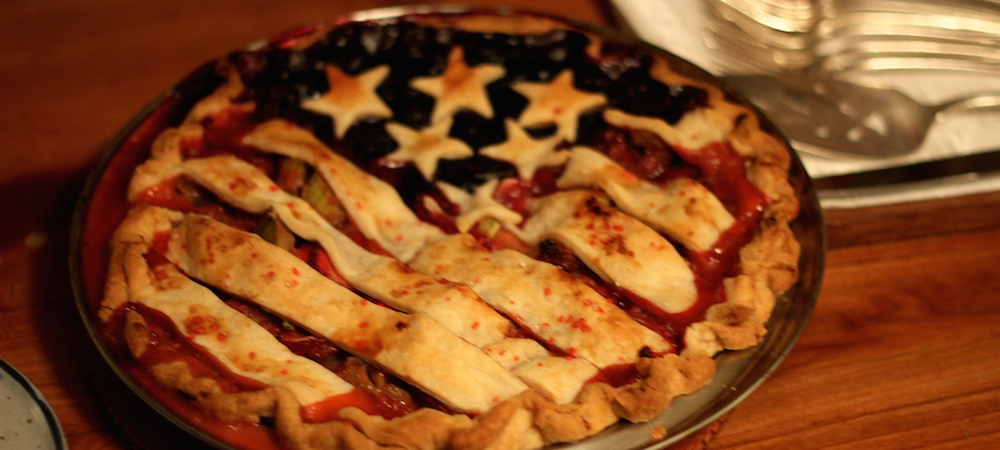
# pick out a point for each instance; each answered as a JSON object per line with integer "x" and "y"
{"x": 903, "y": 349}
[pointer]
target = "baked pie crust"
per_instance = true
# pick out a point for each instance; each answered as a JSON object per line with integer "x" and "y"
{"x": 492, "y": 250}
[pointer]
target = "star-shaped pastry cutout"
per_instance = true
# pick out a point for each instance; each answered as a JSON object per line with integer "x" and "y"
{"x": 478, "y": 205}
{"x": 556, "y": 102}
{"x": 425, "y": 147}
{"x": 460, "y": 86}
{"x": 525, "y": 152}
{"x": 350, "y": 98}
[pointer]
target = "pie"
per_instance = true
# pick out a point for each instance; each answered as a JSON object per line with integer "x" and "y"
{"x": 468, "y": 231}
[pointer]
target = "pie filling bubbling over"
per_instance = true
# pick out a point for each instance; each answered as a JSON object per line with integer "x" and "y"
{"x": 515, "y": 238}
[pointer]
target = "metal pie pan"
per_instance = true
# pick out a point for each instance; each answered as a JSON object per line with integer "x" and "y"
{"x": 738, "y": 373}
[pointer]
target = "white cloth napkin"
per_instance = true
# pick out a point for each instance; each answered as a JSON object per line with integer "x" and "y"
{"x": 676, "y": 25}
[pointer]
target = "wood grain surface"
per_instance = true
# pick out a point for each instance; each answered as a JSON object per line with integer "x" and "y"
{"x": 903, "y": 350}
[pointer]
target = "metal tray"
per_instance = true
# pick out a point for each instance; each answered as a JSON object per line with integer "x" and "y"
{"x": 738, "y": 373}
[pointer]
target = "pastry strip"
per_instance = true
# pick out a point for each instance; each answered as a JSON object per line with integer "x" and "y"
{"x": 383, "y": 278}
{"x": 233, "y": 339}
{"x": 243, "y": 346}
{"x": 682, "y": 209}
{"x": 456, "y": 307}
{"x": 557, "y": 378}
{"x": 695, "y": 130}
{"x": 374, "y": 205}
{"x": 559, "y": 309}
{"x": 618, "y": 248}
{"x": 414, "y": 347}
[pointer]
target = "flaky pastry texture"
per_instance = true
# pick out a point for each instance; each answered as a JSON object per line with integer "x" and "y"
{"x": 512, "y": 407}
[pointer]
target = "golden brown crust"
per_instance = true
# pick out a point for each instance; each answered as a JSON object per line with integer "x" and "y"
{"x": 230, "y": 406}
{"x": 222, "y": 98}
{"x": 769, "y": 263}
{"x": 663, "y": 379}
{"x": 424, "y": 429}
{"x": 492, "y": 23}
{"x": 501, "y": 427}
{"x": 164, "y": 161}
{"x": 773, "y": 255}
{"x": 507, "y": 24}
{"x": 589, "y": 414}
{"x": 131, "y": 240}
{"x": 769, "y": 266}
